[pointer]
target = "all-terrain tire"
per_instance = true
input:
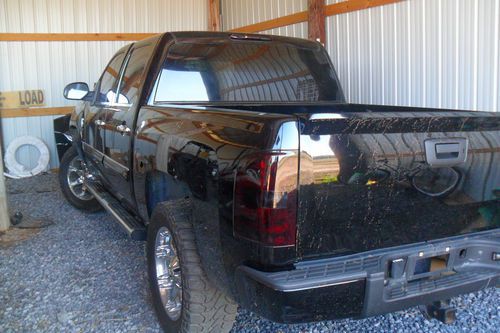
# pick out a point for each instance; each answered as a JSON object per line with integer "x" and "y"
{"x": 204, "y": 308}
{"x": 89, "y": 204}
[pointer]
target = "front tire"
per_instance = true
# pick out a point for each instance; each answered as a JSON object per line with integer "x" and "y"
{"x": 183, "y": 297}
{"x": 71, "y": 177}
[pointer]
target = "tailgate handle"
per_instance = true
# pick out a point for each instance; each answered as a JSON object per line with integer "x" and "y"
{"x": 446, "y": 151}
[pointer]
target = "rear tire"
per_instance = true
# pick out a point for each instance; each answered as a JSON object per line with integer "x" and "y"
{"x": 71, "y": 182}
{"x": 203, "y": 307}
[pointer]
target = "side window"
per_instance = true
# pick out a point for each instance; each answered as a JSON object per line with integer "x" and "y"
{"x": 109, "y": 78}
{"x": 130, "y": 83}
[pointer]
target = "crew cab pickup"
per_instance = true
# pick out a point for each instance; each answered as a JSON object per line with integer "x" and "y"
{"x": 253, "y": 181}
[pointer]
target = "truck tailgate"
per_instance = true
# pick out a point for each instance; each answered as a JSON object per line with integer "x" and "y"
{"x": 390, "y": 176}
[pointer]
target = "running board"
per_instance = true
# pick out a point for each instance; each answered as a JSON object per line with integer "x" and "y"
{"x": 134, "y": 228}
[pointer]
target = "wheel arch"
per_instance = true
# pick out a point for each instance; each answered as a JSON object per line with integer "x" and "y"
{"x": 161, "y": 187}
{"x": 191, "y": 171}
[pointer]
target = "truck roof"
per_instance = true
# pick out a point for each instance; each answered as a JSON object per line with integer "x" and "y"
{"x": 207, "y": 36}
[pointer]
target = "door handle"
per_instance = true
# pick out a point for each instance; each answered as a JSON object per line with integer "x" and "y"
{"x": 99, "y": 122}
{"x": 123, "y": 129}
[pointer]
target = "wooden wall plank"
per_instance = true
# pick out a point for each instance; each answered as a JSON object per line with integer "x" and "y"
{"x": 274, "y": 23}
{"x": 61, "y": 37}
{"x": 354, "y": 5}
{"x": 329, "y": 10}
{"x": 316, "y": 21}
{"x": 35, "y": 112}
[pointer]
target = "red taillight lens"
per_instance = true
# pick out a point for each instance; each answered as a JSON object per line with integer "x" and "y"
{"x": 265, "y": 198}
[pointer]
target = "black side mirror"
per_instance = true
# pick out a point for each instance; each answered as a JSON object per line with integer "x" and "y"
{"x": 76, "y": 90}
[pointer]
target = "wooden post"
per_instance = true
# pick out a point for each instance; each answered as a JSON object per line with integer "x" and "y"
{"x": 4, "y": 213}
{"x": 316, "y": 21}
{"x": 214, "y": 15}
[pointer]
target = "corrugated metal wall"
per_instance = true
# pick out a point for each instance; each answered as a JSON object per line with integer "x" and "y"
{"x": 51, "y": 65}
{"x": 429, "y": 53}
{"x": 238, "y": 13}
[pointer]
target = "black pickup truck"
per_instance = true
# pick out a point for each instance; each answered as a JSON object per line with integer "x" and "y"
{"x": 255, "y": 183}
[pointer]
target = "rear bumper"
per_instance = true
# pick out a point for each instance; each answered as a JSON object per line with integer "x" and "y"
{"x": 371, "y": 283}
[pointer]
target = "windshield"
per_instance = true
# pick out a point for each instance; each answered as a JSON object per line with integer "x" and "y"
{"x": 235, "y": 71}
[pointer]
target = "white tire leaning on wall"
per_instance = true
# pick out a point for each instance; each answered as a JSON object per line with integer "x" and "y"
{"x": 16, "y": 169}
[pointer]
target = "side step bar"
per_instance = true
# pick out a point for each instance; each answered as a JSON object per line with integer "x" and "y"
{"x": 134, "y": 228}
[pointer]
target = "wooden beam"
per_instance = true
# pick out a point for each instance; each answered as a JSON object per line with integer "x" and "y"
{"x": 334, "y": 9}
{"x": 214, "y": 15}
{"x": 35, "y": 112}
{"x": 354, "y": 5}
{"x": 274, "y": 23}
{"x": 316, "y": 21}
{"x": 64, "y": 37}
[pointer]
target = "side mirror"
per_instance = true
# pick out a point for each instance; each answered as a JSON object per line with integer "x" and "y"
{"x": 76, "y": 90}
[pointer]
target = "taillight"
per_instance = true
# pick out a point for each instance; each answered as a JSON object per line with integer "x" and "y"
{"x": 265, "y": 198}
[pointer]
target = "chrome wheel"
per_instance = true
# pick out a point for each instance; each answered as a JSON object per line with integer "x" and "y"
{"x": 75, "y": 178}
{"x": 168, "y": 273}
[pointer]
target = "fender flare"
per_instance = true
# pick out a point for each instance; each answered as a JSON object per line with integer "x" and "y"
{"x": 16, "y": 169}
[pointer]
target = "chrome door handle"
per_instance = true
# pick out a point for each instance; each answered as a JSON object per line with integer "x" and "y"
{"x": 123, "y": 129}
{"x": 99, "y": 122}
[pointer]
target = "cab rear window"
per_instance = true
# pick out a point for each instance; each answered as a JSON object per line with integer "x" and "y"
{"x": 246, "y": 72}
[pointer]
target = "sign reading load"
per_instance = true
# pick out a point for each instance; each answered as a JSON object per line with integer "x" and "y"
{"x": 21, "y": 99}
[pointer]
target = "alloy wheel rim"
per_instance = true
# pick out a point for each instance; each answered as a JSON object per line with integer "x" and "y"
{"x": 75, "y": 179}
{"x": 168, "y": 273}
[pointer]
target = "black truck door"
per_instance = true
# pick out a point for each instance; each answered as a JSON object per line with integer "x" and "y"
{"x": 95, "y": 118}
{"x": 120, "y": 120}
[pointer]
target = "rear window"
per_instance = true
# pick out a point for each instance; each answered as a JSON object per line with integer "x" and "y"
{"x": 246, "y": 72}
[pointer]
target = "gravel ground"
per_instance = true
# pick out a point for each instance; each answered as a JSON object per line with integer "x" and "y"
{"x": 82, "y": 274}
